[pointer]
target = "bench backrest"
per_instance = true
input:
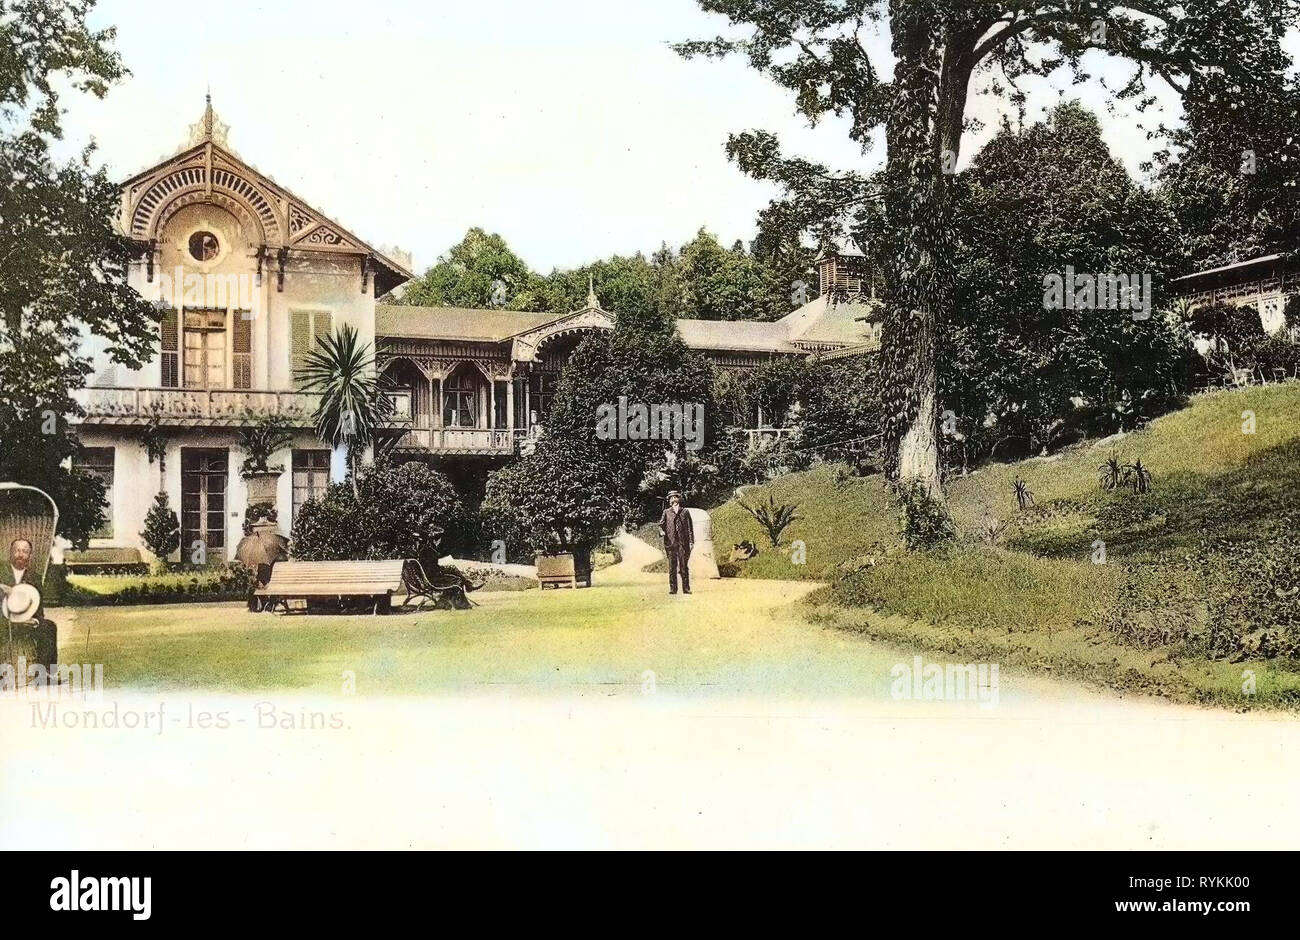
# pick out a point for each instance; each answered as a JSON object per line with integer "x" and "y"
{"x": 289, "y": 578}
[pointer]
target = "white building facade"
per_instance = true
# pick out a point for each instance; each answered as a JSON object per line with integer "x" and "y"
{"x": 246, "y": 276}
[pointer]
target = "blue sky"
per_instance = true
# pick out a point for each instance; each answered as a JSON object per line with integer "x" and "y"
{"x": 567, "y": 126}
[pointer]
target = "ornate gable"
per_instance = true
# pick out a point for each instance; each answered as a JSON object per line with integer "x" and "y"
{"x": 207, "y": 171}
{"x": 525, "y": 346}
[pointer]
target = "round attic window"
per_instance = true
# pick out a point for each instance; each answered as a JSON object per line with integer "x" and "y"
{"x": 204, "y": 246}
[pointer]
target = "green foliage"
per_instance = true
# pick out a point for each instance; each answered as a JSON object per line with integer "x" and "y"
{"x": 231, "y": 582}
{"x": 269, "y": 433}
{"x": 927, "y": 523}
{"x": 840, "y": 419}
{"x": 258, "y": 513}
{"x": 63, "y": 267}
{"x": 162, "y": 531}
{"x": 773, "y": 518}
{"x": 1024, "y": 495}
{"x": 646, "y": 366}
{"x": 565, "y": 496}
{"x": 396, "y": 511}
{"x": 467, "y": 275}
{"x": 1110, "y": 474}
{"x": 1137, "y": 476}
{"x": 1232, "y": 171}
{"x": 701, "y": 279}
{"x": 1023, "y": 377}
{"x": 352, "y": 405}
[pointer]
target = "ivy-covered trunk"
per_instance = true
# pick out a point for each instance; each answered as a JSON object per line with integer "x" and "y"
{"x": 923, "y": 133}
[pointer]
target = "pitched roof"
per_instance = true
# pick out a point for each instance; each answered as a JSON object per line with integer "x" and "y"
{"x": 738, "y": 335}
{"x": 475, "y": 325}
{"x": 819, "y": 324}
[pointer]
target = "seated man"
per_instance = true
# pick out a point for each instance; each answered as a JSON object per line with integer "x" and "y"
{"x": 44, "y": 632}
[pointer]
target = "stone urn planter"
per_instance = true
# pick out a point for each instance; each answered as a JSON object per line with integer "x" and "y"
{"x": 262, "y": 486}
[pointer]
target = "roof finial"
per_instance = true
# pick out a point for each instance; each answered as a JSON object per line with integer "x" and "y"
{"x": 209, "y": 127}
{"x": 592, "y": 302}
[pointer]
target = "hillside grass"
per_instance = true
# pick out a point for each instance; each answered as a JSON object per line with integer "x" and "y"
{"x": 1035, "y": 598}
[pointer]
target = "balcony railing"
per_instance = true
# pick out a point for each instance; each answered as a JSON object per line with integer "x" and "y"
{"x": 192, "y": 406}
{"x": 487, "y": 441}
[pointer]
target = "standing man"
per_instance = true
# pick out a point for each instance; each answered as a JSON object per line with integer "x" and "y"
{"x": 679, "y": 538}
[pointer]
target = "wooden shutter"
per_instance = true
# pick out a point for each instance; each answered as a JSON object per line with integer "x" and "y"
{"x": 322, "y": 324}
{"x": 300, "y": 341}
{"x": 171, "y": 345}
{"x": 307, "y": 328}
{"x": 242, "y": 349}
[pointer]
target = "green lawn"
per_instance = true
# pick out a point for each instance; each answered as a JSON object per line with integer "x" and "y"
{"x": 728, "y": 637}
{"x": 1218, "y": 532}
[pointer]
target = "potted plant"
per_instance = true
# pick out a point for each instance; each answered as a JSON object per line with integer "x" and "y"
{"x": 259, "y": 440}
{"x": 561, "y": 500}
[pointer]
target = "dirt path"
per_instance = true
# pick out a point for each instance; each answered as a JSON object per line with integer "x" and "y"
{"x": 618, "y": 717}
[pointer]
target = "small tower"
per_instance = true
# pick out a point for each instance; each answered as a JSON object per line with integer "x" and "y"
{"x": 843, "y": 272}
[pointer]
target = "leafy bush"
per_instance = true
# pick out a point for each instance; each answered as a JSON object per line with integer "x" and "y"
{"x": 228, "y": 583}
{"x": 400, "y": 512}
{"x": 162, "y": 531}
{"x": 926, "y": 521}
{"x": 565, "y": 496}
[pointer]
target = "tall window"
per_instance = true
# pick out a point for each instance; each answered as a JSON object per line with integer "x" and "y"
{"x": 458, "y": 394}
{"x": 98, "y": 461}
{"x": 542, "y": 392}
{"x": 311, "y": 475}
{"x": 306, "y": 328}
{"x": 205, "y": 349}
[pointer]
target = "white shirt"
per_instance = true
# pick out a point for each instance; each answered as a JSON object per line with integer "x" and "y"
{"x": 18, "y": 574}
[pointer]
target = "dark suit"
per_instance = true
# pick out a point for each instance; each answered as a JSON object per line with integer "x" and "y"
{"x": 679, "y": 539}
{"x": 45, "y": 633}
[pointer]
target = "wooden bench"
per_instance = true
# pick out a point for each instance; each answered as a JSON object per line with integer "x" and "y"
{"x": 294, "y": 585}
{"x": 374, "y": 582}
{"x": 92, "y": 559}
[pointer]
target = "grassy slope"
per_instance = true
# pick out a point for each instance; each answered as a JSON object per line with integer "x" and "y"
{"x": 1028, "y": 601}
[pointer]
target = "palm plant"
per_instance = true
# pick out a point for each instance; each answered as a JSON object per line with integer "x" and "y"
{"x": 1024, "y": 495}
{"x": 773, "y": 518}
{"x": 1110, "y": 474}
{"x": 266, "y": 435}
{"x": 1137, "y": 476}
{"x": 990, "y": 529}
{"x": 352, "y": 406}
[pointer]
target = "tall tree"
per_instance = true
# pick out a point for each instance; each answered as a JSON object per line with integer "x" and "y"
{"x": 1021, "y": 374}
{"x": 479, "y": 271}
{"x": 1232, "y": 170}
{"x": 818, "y": 50}
{"x": 62, "y": 264}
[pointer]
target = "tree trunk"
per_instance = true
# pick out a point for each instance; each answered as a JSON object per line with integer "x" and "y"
{"x": 923, "y": 134}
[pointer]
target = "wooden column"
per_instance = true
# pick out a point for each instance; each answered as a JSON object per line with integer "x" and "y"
{"x": 492, "y": 404}
{"x": 510, "y": 404}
